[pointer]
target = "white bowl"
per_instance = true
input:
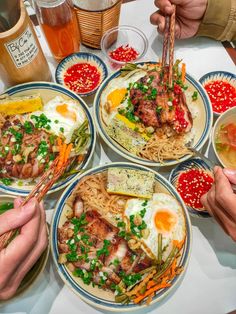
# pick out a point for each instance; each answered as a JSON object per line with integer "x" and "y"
{"x": 223, "y": 118}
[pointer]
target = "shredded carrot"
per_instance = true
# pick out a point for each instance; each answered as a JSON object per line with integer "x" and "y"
{"x": 183, "y": 76}
{"x": 80, "y": 158}
{"x": 151, "y": 284}
{"x": 61, "y": 156}
{"x": 67, "y": 152}
{"x": 162, "y": 285}
{"x": 59, "y": 142}
{"x": 178, "y": 244}
{"x": 142, "y": 284}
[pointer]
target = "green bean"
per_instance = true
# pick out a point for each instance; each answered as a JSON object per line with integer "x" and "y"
{"x": 143, "y": 289}
{"x": 147, "y": 270}
{"x": 159, "y": 256}
{"x": 121, "y": 298}
{"x": 166, "y": 264}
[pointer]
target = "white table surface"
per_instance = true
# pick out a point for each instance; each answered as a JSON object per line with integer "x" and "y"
{"x": 209, "y": 286}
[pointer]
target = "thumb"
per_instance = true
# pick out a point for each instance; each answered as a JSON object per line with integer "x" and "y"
{"x": 18, "y": 216}
{"x": 230, "y": 174}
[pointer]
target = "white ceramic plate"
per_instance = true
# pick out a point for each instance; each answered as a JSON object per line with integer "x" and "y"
{"x": 98, "y": 297}
{"x": 48, "y": 91}
{"x": 202, "y": 123}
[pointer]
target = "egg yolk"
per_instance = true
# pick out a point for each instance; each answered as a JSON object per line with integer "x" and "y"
{"x": 116, "y": 97}
{"x": 165, "y": 221}
{"x": 65, "y": 112}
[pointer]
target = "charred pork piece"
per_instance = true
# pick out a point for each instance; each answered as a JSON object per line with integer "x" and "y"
{"x": 25, "y": 151}
{"x": 98, "y": 240}
{"x": 157, "y": 105}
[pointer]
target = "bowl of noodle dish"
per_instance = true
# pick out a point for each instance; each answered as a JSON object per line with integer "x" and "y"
{"x": 147, "y": 121}
{"x": 121, "y": 237}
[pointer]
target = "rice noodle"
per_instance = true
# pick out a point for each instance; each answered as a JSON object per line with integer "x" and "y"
{"x": 92, "y": 190}
{"x": 162, "y": 148}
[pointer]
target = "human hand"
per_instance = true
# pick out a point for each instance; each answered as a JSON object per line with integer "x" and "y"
{"x": 189, "y": 14}
{"x": 22, "y": 252}
{"x": 220, "y": 201}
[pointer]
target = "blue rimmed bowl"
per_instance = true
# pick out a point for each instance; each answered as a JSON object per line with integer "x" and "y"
{"x": 221, "y": 76}
{"x": 81, "y": 57}
{"x": 92, "y": 295}
{"x": 47, "y": 92}
{"x": 201, "y": 124}
{"x": 193, "y": 163}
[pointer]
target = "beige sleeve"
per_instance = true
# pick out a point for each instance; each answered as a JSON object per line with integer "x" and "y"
{"x": 219, "y": 21}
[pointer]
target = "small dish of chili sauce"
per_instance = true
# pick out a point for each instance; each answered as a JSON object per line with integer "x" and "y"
{"x": 221, "y": 89}
{"x": 81, "y": 72}
{"x": 192, "y": 179}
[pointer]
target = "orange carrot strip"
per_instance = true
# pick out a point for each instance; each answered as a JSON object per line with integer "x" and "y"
{"x": 61, "y": 156}
{"x": 150, "y": 291}
{"x": 59, "y": 142}
{"x": 67, "y": 152}
{"x": 137, "y": 289}
{"x": 183, "y": 76}
{"x": 80, "y": 158}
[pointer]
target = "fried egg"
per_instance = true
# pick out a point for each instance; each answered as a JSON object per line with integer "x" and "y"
{"x": 162, "y": 214}
{"x": 113, "y": 96}
{"x": 65, "y": 115}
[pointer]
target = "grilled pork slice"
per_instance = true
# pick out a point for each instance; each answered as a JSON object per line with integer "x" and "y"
{"x": 116, "y": 258}
{"x": 156, "y": 106}
{"x": 25, "y": 151}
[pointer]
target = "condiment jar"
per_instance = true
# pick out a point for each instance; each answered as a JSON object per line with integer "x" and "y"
{"x": 58, "y": 22}
{"x": 21, "y": 57}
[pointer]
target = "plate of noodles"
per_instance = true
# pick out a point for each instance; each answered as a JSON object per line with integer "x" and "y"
{"x": 121, "y": 237}
{"x": 146, "y": 121}
{"x": 37, "y": 121}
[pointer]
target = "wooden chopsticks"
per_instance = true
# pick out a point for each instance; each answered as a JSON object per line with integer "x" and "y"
{"x": 168, "y": 44}
{"x": 39, "y": 191}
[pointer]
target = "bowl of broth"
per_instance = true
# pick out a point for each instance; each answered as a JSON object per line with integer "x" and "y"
{"x": 224, "y": 138}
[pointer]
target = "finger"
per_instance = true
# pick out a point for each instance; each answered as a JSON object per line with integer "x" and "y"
{"x": 230, "y": 174}
{"x": 212, "y": 212}
{"x": 224, "y": 193}
{"x": 17, "y": 202}
{"x": 205, "y": 204}
{"x": 16, "y": 217}
{"x": 165, "y": 6}
{"x": 22, "y": 245}
{"x": 27, "y": 264}
{"x": 159, "y": 20}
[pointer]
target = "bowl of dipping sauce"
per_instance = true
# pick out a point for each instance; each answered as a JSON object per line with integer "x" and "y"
{"x": 192, "y": 179}
{"x": 123, "y": 44}
{"x": 221, "y": 89}
{"x": 224, "y": 138}
{"x": 81, "y": 72}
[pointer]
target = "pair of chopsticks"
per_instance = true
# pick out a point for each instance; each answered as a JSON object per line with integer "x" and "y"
{"x": 168, "y": 44}
{"x": 54, "y": 172}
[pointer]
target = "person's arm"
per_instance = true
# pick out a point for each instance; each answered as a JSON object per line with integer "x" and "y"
{"x": 220, "y": 201}
{"x": 22, "y": 253}
{"x": 212, "y": 18}
{"x": 219, "y": 21}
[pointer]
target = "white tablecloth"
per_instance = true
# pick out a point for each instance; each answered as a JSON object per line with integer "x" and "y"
{"x": 209, "y": 285}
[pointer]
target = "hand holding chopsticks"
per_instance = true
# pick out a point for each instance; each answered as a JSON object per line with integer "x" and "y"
{"x": 54, "y": 172}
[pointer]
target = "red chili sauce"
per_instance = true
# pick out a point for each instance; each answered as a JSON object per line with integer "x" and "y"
{"x": 124, "y": 54}
{"x": 192, "y": 184}
{"x": 222, "y": 95}
{"x": 82, "y": 77}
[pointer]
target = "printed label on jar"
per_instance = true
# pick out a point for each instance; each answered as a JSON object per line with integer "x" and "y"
{"x": 23, "y": 49}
